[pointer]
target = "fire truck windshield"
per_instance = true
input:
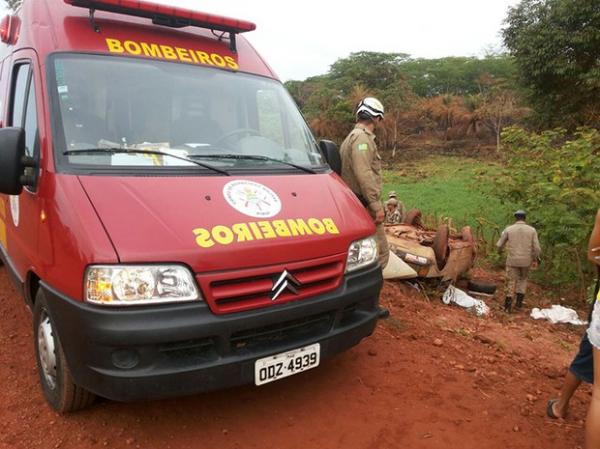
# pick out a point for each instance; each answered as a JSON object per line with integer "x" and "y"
{"x": 173, "y": 109}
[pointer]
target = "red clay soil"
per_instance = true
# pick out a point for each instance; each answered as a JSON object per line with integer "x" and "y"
{"x": 432, "y": 376}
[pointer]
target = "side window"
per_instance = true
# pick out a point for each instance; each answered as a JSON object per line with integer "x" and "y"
{"x": 30, "y": 124}
{"x": 19, "y": 91}
{"x": 270, "y": 122}
{"x": 24, "y": 110}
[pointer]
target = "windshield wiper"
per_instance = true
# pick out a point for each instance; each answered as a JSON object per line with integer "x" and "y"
{"x": 140, "y": 151}
{"x": 250, "y": 157}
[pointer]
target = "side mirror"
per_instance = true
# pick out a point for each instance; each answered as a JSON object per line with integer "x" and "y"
{"x": 332, "y": 155}
{"x": 12, "y": 167}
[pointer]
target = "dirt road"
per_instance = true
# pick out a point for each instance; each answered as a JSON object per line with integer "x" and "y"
{"x": 482, "y": 384}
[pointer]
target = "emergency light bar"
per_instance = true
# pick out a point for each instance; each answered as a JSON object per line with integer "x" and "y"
{"x": 168, "y": 15}
{"x": 9, "y": 29}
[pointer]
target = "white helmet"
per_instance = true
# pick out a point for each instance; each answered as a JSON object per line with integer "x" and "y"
{"x": 369, "y": 109}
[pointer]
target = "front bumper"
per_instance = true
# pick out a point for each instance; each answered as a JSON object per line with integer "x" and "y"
{"x": 171, "y": 350}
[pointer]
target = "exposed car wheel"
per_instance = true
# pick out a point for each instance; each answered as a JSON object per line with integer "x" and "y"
{"x": 440, "y": 246}
{"x": 414, "y": 218}
{"x": 482, "y": 287}
{"x": 467, "y": 236}
{"x": 57, "y": 384}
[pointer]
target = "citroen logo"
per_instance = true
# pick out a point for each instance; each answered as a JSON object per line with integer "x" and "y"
{"x": 285, "y": 282}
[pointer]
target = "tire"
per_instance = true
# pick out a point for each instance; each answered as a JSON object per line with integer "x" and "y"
{"x": 55, "y": 378}
{"x": 467, "y": 236}
{"x": 440, "y": 246}
{"x": 414, "y": 218}
{"x": 482, "y": 287}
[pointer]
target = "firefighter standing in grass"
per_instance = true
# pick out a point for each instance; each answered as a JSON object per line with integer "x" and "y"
{"x": 361, "y": 167}
{"x": 523, "y": 247}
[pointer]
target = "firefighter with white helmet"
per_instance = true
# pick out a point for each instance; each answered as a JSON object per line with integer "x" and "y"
{"x": 361, "y": 167}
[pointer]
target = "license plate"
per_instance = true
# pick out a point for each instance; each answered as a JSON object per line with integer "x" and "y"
{"x": 286, "y": 364}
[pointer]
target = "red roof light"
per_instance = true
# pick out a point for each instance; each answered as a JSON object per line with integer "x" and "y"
{"x": 9, "y": 29}
{"x": 167, "y": 15}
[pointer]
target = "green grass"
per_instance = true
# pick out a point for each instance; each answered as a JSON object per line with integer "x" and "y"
{"x": 456, "y": 188}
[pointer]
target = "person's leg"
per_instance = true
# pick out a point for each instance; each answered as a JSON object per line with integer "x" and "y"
{"x": 580, "y": 370}
{"x": 511, "y": 281}
{"x": 382, "y": 246}
{"x": 592, "y": 424}
{"x": 522, "y": 286}
{"x": 560, "y": 406}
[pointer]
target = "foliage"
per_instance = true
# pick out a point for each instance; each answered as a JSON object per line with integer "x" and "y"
{"x": 554, "y": 177}
{"x": 556, "y": 46}
{"x": 376, "y": 71}
{"x": 455, "y": 188}
{"x": 499, "y": 108}
{"x": 441, "y": 97}
{"x": 455, "y": 75}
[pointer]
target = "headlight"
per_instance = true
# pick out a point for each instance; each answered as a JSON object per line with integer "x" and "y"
{"x": 131, "y": 285}
{"x": 362, "y": 253}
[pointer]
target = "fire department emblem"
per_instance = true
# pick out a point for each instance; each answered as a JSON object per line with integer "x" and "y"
{"x": 252, "y": 199}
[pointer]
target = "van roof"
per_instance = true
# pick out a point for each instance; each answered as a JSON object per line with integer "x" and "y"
{"x": 55, "y": 26}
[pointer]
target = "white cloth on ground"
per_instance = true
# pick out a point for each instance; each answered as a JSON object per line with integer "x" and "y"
{"x": 453, "y": 294}
{"x": 557, "y": 314}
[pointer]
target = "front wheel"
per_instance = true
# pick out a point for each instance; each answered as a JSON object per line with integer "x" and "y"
{"x": 57, "y": 384}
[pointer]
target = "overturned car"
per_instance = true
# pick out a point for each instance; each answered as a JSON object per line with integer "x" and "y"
{"x": 428, "y": 253}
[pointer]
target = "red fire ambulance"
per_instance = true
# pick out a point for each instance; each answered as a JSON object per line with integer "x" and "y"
{"x": 164, "y": 209}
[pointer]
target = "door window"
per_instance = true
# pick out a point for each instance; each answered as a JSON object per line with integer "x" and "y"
{"x": 24, "y": 112}
{"x": 19, "y": 91}
{"x": 30, "y": 124}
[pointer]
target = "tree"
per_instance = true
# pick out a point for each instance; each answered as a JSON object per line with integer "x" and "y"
{"x": 500, "y": 108}
{"x": 13, "y": 4}
{"x": 554, "y": 176}
{"x": 455, "y": 75}
{"x": 376, "y": 71}
{"x": 556, "y": 45}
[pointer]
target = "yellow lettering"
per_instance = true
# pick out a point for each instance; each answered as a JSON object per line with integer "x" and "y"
{"x": 257, "y": 234}
{"x": 151, "y": 50}
{"x": 172, "y": 53}
{"x": 231, "y": 63}
{"x": 222, "y": 235}
{"x": 204, "y": 58}
{"x": 281, "y": 228}
{"x": 168, "y": 52}
{"x": 183, "y": 54}
{"x": 316, "y": 226}
{"x": 114, "y": 46}
{"x": 193, "y": 55}
{"x": 203, "y": 239}
{"x": 267, "y": 229}
{"x": 330, "y": 226}
{"x": 299, "y": 227}
{"x": 217, "y": 59}
{"x": 243, "y": 232}
{"x": 133, "y": 48}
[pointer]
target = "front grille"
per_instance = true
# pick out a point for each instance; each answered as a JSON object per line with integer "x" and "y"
{"x": 183, "y": 352}
{"x": 250, "y": 289}
{"x": 279, "y": 334}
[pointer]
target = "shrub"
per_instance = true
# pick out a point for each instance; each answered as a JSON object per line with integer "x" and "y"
{"x": 554, "y": 176}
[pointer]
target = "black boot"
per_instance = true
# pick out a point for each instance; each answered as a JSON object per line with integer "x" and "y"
{"x": 508, "y": 304}
{"x": 520, "y": 298}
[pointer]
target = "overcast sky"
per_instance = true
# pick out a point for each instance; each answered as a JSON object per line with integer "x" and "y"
{"x": 303, "y": 38}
